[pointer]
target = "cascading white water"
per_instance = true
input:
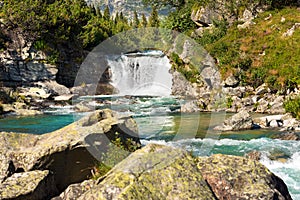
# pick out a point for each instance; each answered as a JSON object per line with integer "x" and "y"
{"x": 141, "y": 74}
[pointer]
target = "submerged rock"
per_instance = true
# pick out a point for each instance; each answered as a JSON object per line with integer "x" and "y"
{"x": 232, "y": 177}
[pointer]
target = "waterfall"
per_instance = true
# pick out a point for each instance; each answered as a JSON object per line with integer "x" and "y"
{"x": 141, "y": 74}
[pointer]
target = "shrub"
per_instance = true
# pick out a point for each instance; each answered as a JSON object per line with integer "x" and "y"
{"x": 292, "y": 105}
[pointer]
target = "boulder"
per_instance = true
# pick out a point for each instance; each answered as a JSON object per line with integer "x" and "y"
{"x": 33, "y": 185}
{"x": 216, "y": 11}
{"x": 6, "y": 108}
{"x": 66, "y": 97}
{"x": 254, "y": 155}
{"x": 287, "y": 136}
{"x": 7, "y": 168}
{"x": 231, "y": 81}
{"x": 164, "y": 172}
{"x": 277, "y": 106}
{"x": 27, "y": 112}
{"x": 83, "y": 107}
{"x": 239, "y": 121}
{"x": 74, "y": 191}
{"x": 287, "y": 121}
{"x": 245, "y": 25}
{"x": 54, "y": 88}
{"x": 71, "y": 152}
{"x": 275, "y": 123}
{"x": 106, "y": 89}
{"x": 83, "y": 90}
{"x": 181, "y": 87}
{"x": 154, "y": 172}
{"x": 263, "y": 89}
{"x": 18, "y": 105}
{"x": 232, "y": 177}
{"x": 190, "y": 107}
{"x": 262, "y": 106}
{"x": 35, "y": 92}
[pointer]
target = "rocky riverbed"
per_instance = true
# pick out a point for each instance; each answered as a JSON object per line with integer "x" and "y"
{"x": 58, "y": 165}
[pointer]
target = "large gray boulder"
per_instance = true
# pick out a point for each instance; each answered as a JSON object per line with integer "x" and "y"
{"x": 154, "y": 172}
{"x": 33, "y": 185}
{"x": 71, "y": 152}
{"x": 74, "y": 191}
{"x": 239, "y": 121}
{"x": 164, "y": 172}
{"x": 233, "y": 177}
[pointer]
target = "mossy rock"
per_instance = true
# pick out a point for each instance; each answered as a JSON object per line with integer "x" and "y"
{"x": 233, "y": 177}
{"x": 154, "y": 172}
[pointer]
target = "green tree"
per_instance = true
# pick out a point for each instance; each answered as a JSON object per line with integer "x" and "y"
{"x": 162, "y": 3}
{"x": 144, "y": 22}
{"x": 154, "y": 19}
{"x": 106, "y": 13}
{"x": 136, "y": 21}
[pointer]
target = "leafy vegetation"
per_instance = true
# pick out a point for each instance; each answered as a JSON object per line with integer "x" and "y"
{"x": 54, "y": 25}
{"x": 256, "y": 55}
{"x": 116, "y": 151}
{"x": 260, "y": 52}
{"x": 292, "y": 105}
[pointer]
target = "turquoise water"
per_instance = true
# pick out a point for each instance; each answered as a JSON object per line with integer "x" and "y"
{"x": 36, "y": 125}
{"x": 160, "y": 122}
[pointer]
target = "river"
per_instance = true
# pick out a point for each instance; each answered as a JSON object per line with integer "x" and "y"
{"x": 159, "y": 121}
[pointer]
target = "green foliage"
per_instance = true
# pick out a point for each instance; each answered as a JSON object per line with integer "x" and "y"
{"x": 211, "y": 36}
{"x": 260, "y": 53}
{"x": 229, "y": 102}
{"x": 163, "y": 3}
{"x": 106, "y": 14}
{"x": 40, "y": 45}
{"x": 180, "y": 20}
{"x": 100, "y": 170}
{"x": 136, "y": 21}
{"x": 56, "y": 25}
{"x": 189, "y": 71}
{"x": 154, "y": 19}
{"x": 292, "y": 105}
{"x": 144, "y": 22}
{"x": 115, "y": 152}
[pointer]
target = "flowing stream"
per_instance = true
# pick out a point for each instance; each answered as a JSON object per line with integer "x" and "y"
{"x": 160, "y": 122}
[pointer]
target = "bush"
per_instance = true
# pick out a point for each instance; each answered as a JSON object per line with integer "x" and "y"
{"x": 292, "y": 105}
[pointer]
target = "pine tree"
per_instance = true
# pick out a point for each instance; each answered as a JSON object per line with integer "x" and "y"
{"x": 144, "y": 22}
{"x": 106, "y": 13}
{"x": 153, "y": 20}
{"x": 136, "y": 21}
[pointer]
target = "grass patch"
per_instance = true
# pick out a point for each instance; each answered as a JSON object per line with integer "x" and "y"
{"x": 292, "y": 106}
{"x": 261, "y": 52}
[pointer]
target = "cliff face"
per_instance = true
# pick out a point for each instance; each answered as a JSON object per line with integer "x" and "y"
{"x": 20, "y": 62}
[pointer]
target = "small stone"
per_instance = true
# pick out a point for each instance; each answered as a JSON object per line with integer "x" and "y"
{"x": 231, "y": 81}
